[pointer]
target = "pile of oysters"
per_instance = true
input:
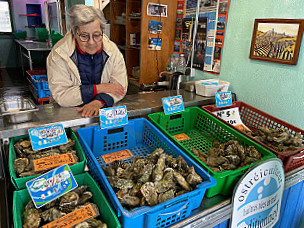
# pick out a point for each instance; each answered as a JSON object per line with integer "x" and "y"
{"x": 69, "y": 202}
{"x": 23, "y": 164}
{"x": 230, "y": 155}
{"x": 151, "y": 180}
{"x": 279, "y": 139}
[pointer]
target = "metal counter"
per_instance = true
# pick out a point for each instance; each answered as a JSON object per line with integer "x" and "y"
{"x": 137, "y": 105}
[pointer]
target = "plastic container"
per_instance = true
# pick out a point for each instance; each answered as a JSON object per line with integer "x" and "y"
{"x": 254, "y": 118}
{"x": 141, "y": 138}
{"x": 171, "y": 64}
{"x": 40, "y": 82}
{"x": 41, "y": 34}
{"x": 20, "y": 35}
{"x": 210, "y": 87}
{"x": 41, "y": 93}
{"x": 22, "y": 197}
{"x": 181, "y": 64}
{"x": 202, "y": 128}
{"x": 55, "y": 37}
{"x": 19, "y": 182}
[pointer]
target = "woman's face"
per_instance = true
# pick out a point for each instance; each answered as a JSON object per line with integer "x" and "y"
{"x": 93, "y": 34}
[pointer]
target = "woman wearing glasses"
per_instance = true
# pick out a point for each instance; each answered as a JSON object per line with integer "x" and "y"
{"x": 85, "y": 67}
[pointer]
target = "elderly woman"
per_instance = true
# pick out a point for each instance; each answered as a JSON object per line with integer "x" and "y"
{"x": 85, "y": 67}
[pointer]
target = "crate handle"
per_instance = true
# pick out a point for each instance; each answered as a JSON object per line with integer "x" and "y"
{"x": 116, "y": 130}
{"x": 175, "y": 212}
{"x": 178, "y": 116}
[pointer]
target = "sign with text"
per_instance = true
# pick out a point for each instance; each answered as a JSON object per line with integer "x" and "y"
{"x": 258, "y": 196}
{"x": 51, "y": 185}
{"x": 232, "y": 116}
{"x": 49, "y": 136}
{"x": 173, "y": 104}
{"x": 113, "y": 117}
{"x": 75, "y": 217}
{"x": 223, "y": 99}
{"x": 118, "y": 155}
{"x": 181, "y": 137}
{"x": 53, "y": 161}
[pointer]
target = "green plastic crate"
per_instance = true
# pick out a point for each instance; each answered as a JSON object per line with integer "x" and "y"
{"x": 202, "y": 129}
{"x": 19, "y": 182}
{"x": 41, "y": 34}
{"x": 20, "y": 35}
{"x": 22, "y": 197}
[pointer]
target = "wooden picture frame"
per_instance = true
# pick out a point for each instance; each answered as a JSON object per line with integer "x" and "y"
{"x": 276, "y": 40}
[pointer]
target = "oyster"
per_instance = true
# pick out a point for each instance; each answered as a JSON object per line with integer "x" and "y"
{"x": 149, "y": 192}
{"x": 166, "y": 196}
{"x": 128, "y": 200}
{"x": 20, "y": 164}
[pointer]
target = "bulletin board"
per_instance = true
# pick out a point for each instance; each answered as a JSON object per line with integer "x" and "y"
{"x": 209, "y": 40}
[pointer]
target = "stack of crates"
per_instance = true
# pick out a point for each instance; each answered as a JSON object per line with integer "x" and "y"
{"x": 38, "y": 83}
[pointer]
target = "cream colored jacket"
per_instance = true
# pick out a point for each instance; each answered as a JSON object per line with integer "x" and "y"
{"x": 63, "y": 75}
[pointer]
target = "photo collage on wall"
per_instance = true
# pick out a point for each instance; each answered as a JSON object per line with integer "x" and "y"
{"x": 210, "y": 32}
{"x": 155, "y": 27}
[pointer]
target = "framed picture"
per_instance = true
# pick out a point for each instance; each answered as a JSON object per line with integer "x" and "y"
{"x": 276, "y": 40}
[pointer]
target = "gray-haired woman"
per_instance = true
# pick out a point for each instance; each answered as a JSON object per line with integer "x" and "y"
{"x": 85, "y": 67}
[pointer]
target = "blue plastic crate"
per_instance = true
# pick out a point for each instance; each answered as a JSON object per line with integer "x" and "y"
{"x": 141, "y": 138}
{"x": 40, "y": 82}
{"x": 40, "y": 93}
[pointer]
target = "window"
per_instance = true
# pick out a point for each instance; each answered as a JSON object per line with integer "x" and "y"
{"x": 5, "y": 17}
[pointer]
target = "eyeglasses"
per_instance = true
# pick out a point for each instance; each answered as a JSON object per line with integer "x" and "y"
{"x": 86, "y": 37}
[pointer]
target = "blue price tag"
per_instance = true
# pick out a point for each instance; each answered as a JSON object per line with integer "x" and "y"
{"x": 173, "y": 104}
{"x": 51, "y": 185}
{"x": 113, "y": 117}
{"x": 44, "y": 137}
{"x": 223, "y": 99}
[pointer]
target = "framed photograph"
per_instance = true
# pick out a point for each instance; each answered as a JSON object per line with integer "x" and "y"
{"x": 276, "y": 40}
{"x": 155, "y": 27}
{"x": 154, "y": 9}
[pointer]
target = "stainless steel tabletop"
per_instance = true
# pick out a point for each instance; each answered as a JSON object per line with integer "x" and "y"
{"x": 32, "y": 45}
{"x": 137, "y": 105}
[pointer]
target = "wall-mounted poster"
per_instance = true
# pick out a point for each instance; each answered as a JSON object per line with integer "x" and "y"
{"x": 154, "y": 9}
{"x": 200, "y": 44}
{"x": 154, "y": 44}
{"x": 155, "y": 27}
{"x": 216, "y": 13}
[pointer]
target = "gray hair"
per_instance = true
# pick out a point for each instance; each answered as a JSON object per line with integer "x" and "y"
{"x": 81, "y": 15}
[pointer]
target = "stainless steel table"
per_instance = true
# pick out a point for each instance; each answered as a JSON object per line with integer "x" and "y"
{"x": 28, "y": 46}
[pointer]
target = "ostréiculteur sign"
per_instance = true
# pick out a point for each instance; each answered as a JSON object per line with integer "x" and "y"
{"x": 258, "y": 196}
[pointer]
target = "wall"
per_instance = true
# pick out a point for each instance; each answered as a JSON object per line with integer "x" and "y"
{"x": 277, "y": 89}
{"x": 8, "y": 57}
{"x": 19, "y": 7}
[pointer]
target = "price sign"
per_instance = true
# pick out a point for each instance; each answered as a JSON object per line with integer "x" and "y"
{"x": 49, "y": 136}
{"x": 53, "y": 161}
{"x": 173, "y": 104}
{"x": 181, "y": 137}
{"x": 51, "y": 185}
{"x": 232, "y": 116}
{"x": 70, "y": 220}
{"x": 119, "y": 155}
{"x": 113, "y": 117}
{"x": 223, "y": 99}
